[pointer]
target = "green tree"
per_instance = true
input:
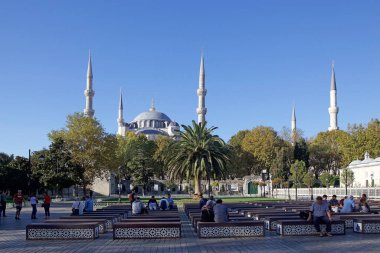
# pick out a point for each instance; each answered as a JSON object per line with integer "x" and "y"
{"x": 347, "y": 177}
{"x": 326, "y": 179}
{"x": 90, "y": 146}
{"x": 198, "y": 154}
{"x": 54, "y": 167}
{"x": 262, "y": 143}
{"x": 309, "y": 180}
{"x": 138, "y": 160}
{"x": 298, "y": 171}
{"x": 163, "y": 144}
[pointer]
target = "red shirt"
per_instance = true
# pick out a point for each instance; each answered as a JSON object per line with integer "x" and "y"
{"x": 18, "y": 198}
{"x": 47, "y": 199}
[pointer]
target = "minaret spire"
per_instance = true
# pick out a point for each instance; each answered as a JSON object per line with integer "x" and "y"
{"x": 120, "y": 119}
{"x": 201, "y": 92}
{"x": 89, "y": 92}
{"x": 333, "y": 109}
{"x": 294, "y": 127}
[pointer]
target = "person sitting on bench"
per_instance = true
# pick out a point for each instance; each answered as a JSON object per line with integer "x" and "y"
{"x": 164, "y": 204}
{"x": 321, "y": 214}
{"x": 137, "y": 207}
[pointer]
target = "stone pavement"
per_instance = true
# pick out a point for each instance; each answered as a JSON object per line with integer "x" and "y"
{"x": 12, "y": 239}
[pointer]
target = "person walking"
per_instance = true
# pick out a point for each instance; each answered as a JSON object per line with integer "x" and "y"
{"x": 18, "y": 200}
{"x": 33, "y": 203}
{"x": 3, "y": 203}
{"x": 46, "y": 205}
{"x": 321, "y": 214}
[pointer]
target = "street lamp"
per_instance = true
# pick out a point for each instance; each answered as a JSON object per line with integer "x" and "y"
{"x": 119, "y": 185}
{"x": 264, "y": 175}
{"x": 372, "y": 182}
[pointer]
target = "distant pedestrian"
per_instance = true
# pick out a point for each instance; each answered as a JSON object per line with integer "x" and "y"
{"x": 131, "y": 197}
{"x": 46, "y": 205}
{"x": 33, "y": 203}
{"x": 18, "y": 200}
{"x": 3, "y": 203}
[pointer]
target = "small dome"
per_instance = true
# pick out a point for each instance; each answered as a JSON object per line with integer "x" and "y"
{"x": 173, "y": 123}
{"x": 152, "y": 115}
{"x": 151, "y": 132}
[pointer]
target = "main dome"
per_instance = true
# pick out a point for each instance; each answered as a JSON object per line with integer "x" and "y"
{"x": 152, "y": 115}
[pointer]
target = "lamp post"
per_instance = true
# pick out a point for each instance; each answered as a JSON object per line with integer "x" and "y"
{"x": 264, "y": 177}
{"x": 372, "y": 182}
{"x": 119, "y": 186}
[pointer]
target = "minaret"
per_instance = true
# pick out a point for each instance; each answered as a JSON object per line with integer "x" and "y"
{"x": 333, "y": 109}
{"x": 120, "y": 120}
{"x": 89, "y": 93}
{"x": 294, "y": 127}
{"x": 201, "y": 92}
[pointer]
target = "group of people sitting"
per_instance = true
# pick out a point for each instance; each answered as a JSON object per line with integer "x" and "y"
{"x": 81, "y": 206}
{"x": 321, "y": 210}
{"x": 138, "y": 207}
{"x": 347, "y": 204}
{"x": 213, "y": 211}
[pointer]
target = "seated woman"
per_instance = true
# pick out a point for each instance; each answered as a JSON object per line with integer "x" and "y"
{"x": 152, "y": 203}
{"x": 363, "y": 206}
{"x": 207, "y": 214}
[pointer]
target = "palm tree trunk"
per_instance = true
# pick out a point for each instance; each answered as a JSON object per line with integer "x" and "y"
{"x": 197, "y": 185}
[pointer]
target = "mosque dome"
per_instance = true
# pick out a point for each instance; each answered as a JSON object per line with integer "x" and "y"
{"x": 152, "y": 115}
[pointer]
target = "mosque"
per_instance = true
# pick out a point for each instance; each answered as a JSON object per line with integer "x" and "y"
{"x": 153, "y": 123}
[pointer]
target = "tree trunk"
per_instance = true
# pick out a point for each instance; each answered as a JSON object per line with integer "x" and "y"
{"x": 197, "y": 185}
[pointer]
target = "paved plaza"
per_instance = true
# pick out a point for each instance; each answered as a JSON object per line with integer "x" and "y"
{"x": 12, "y": 239}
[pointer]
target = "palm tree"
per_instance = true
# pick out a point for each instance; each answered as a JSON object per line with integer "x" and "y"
{"x": 198, "y": 154}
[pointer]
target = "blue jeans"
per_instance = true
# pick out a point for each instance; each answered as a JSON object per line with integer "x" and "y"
{"x": 323, "y": 219}
{"x": 34, "y": 211}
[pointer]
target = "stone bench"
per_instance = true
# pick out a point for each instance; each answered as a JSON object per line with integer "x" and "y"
{"x": 149, "y": 219}
{"x": 303, "y": 227}
{"x": 110, "y": 220}
{"x": 145, "y": 230}
{"x": 231, "y": 219}
{"x": 115, "y": 217}
{"x": 101, "y": 222}
{"x": 270, "y": 222}
{"x": 230, "y": 229}
{"x": 367, "y": 225}
{"x": 349, "y": 219}
{"x": 58, "y": 231}
{"x": 262, "y": 216}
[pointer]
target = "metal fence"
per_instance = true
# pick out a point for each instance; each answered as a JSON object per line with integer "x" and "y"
{"x": 305, "y": 193}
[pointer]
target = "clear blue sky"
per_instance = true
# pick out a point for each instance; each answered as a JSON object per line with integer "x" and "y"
{"x": 260, "y": 57}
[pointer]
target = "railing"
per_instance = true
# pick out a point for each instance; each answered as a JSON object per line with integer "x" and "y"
{"x": 305, "y": 193}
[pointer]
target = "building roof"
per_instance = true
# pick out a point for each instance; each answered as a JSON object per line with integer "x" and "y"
{"x": 152, "y": 115}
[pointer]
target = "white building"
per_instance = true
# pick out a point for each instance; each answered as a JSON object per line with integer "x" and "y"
{"x": 366, "y": 172}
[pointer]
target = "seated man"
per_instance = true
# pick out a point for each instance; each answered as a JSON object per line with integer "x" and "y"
{"x": 334, "y": 204}
{"x": 348, "y": 205}
{"x": 321, "y": 214}
{"x": 137, "y": 207}
{"x": 220, "y": 212}
{"x": 170, "y": 201}
{"x": 88, "y": 205}
{"x": 164, "y": 204}
{"x": 207, "y": 214}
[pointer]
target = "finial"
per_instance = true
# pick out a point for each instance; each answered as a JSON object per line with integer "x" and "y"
{"x": 152, "y": 108}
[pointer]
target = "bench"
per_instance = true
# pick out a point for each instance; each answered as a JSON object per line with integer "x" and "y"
{"x": 101, "y": 222}
{"x": 270, "y": 222}
{"x": 57, "y": 231}
{"x": 230, "y": 229}
{"x": 144, "y": 230}
{"x": 303, "y": 227}
{"x": 262, "y": 216}
{"x": 367, "y": 225}
{"x": 349, "y": 219}
{"x": 110, "y": 220}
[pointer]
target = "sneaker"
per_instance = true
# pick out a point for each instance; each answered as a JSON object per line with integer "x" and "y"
{"x": 321, "y": 234}
{"x": 329, "y": 234}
